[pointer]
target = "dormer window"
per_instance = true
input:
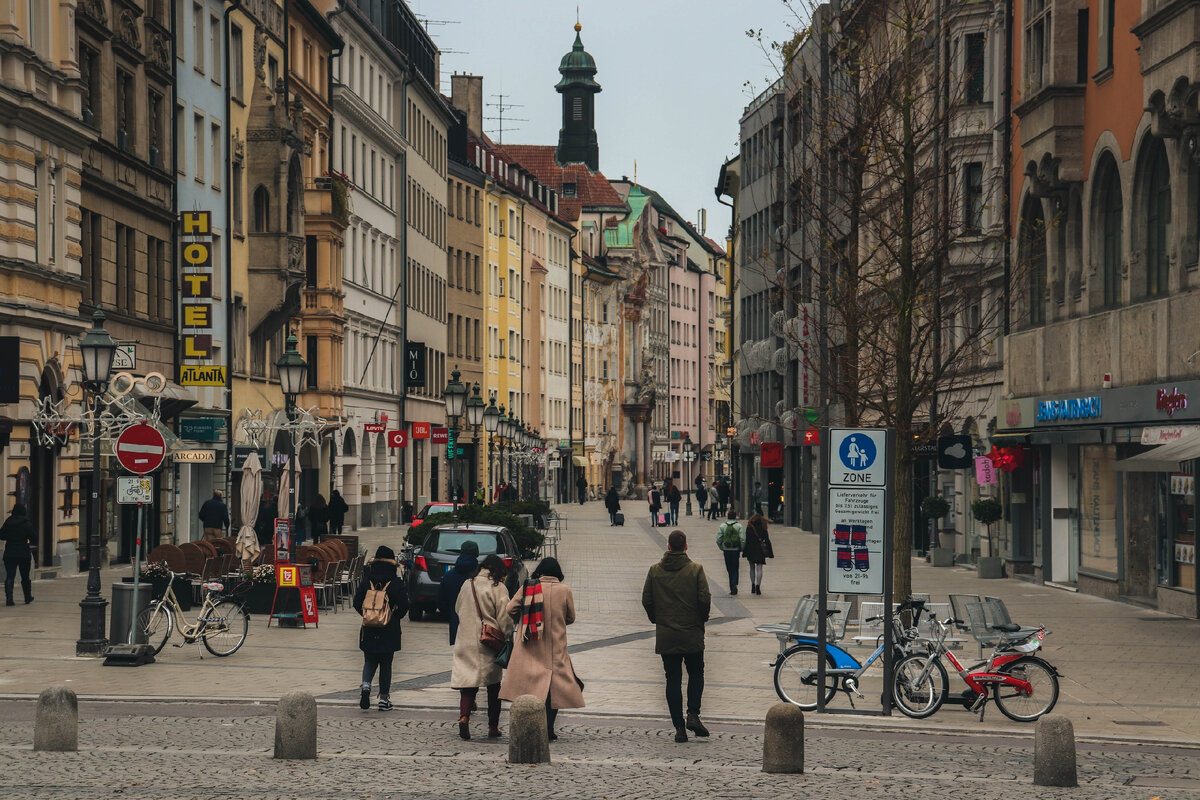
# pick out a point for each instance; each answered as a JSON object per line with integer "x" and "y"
{"x": 568, "y": 190}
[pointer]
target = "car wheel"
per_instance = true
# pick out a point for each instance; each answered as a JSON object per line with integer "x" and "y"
{"x": 415, "y": 612}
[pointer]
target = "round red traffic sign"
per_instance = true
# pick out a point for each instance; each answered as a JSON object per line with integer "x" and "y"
{"x": 141, "y": 448}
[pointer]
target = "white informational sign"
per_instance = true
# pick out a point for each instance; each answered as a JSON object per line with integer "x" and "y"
{"x": 134, "y": 489}
{"x": 857, "y": 457}
{"x": 856, "y": 534}
{"x": 125, "y": 357}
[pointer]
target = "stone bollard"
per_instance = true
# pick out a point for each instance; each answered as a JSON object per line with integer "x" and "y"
{"x": 1054, "y": 752}
{"x": 296, "y": 726}
{"x": 57, "y": 727}
{"x": 783, "y": 744}
{"x": 528, "y": 739}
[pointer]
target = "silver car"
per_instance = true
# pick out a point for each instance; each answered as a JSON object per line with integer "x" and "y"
{"x": 441, "y": 549}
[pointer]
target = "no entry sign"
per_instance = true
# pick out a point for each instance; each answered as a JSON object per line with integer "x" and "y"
{"x": 141, "y": 449}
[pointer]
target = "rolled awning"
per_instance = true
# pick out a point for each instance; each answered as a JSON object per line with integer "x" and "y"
{"x": 1164, "y": 458}
{"x": 579, "y": 461}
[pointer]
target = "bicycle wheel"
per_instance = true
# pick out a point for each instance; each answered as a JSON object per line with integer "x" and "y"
{"x": 225, "y": 627}
{"x": 796, "y": 677}
{"x": 919, "y": 686}
{"x": 155, "y": 624}
{"x": 1022, "y": 707}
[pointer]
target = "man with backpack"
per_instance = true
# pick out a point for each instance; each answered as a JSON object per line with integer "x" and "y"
{"x": 731, "y": 538}
{"x": 382, "y": 600}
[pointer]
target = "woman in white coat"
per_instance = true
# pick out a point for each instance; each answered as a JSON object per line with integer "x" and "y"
{"x": 482, "y": 599}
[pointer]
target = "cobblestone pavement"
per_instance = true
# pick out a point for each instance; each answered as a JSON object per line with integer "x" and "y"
{"x": 191, "y": 750}
{"x": 1128, "y": 672}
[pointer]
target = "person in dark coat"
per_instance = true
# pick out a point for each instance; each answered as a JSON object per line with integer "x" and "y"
{"x": 581, "y": 485}
{"x": 264, "y": 522}
{"x": 654, "y": 502}
{"x": 318, "y": 518}
{"x": 677, "y": 602}
{"x": 379, "y": 645}
{"x": 464, "y": 569}
{"x": 701, "y": 494}
{"x": 757, "y": 550}
{"x": 19, "y": 540}
{"x": 337, "y": 512}
{"x": 214, "y": 516}
{"x": 723, "y": 494}
{"x": 612, "y": 501}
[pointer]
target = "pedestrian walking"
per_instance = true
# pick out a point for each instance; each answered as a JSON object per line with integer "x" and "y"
{"x": 757, "y": 550}
{"x": 701, "y": 494}
{"x": 671, "y": 491}
{"x": 677, "y": 601}
{"x": 714, "y": 500}
{"x": 465, "y": 567}
{"x": 482, "y": 599}
{"x": 480, "y": 494}
{"x": 581, "y": 485}
{"x": 264, "y": 522}
{"x": 723, "y": 494}
{"x": 299, "y": 531}
{"x": 214, "y": 516}
{"x": 19, "y": 540}
{"x": 612, "y": 501}
{"x": 756, "y": 499}
{"x": 731, "y": 539}
{"x": 540, "y": 664}
{"x": 379, "y": 642}
{"x": 654, "y": 500}
{"x": 337, "y": 512}
{"x": 318, "y": 518}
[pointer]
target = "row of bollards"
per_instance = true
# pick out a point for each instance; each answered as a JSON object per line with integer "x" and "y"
{"x": 57, "y": 730}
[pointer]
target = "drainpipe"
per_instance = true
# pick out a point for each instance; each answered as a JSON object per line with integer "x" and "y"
{"x": 228, "y": 254}
{"x": 401, "y": 277}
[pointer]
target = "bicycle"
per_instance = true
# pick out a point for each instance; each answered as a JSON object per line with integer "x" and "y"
{"x": 796, "y": 667}
{"x": 1023, "y": 686}
{"x": 221, "y": 625}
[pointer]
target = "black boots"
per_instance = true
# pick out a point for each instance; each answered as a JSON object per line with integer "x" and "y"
{"x": 8, "y": 591}
{"x": 695, "y": 725}
{"x": 27, "y": 588}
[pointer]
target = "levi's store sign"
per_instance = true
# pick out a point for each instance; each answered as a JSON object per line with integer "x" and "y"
{"x": 196, "y": 321}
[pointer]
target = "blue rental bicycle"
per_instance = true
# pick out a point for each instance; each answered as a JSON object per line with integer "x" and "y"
{"x": 796, "y": 667}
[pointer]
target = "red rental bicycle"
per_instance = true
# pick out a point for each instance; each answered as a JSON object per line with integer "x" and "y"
{"x": 1023, "y": 686}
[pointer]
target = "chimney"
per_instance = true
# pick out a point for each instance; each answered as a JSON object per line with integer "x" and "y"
{"x": 466, "y": 93}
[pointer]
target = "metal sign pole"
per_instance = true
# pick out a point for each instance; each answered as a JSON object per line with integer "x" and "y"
{"x": 889, "y": 555}
{"x": 137, "y": 558}
{"x": 822, "y": 578}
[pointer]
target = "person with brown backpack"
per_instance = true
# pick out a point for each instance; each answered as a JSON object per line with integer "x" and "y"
{"x": 382, "y": 600}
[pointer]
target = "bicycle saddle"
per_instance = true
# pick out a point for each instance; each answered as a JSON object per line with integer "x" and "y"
{"x": 213, "y": 586}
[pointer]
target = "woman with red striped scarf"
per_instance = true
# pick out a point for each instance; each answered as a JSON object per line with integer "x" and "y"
{"x": 540, "y": 664}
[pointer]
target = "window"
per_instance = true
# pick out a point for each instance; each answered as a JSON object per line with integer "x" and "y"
{"x": 198, "y": 31}
{"x": 214, "y": 38}
{"x": 92, "y": 242}
{"x": 218, "y": 158}
{"x": 126, "y": 268}
{"x": 577, "y": 108}
{"x": 181, "y": 161}
{"x": 1037, "y": 43}
{"x": 126, "y": 120}
{"x": 569, "y": 189}
{"x": 1082, "y": 40}
{"x": 235, "y": 197}
{"x": 310, "y": 261}
{"x": 236, "y": 66}
{"x": 1110, "y": 213}
{"x": 1033, "y": 249}
{"x": 155, "y": 109}
{"x": 1104, "y": 51}
{"x": 311, "y": 375}
{"x": 89, "y": 78}
{"x": 976, "y": 58}
{"x": 1158, "y": 221}
{"x": 262, "y": 210}
{"x": 973, "y": 197}
{"x": 198, "y": 146}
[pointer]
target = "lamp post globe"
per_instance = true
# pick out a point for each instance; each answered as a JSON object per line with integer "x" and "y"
{"x": 491, "y": 416}
{"x": 293, "y": 369}
{"x": 97, "y": 349}
{"x": 455, "y": 395}
{"x": 475, "y": 407}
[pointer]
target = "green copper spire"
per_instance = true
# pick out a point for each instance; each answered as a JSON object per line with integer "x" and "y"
{"x": 577, "y": 137}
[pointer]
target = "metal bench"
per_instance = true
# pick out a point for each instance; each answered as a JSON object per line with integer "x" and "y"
{"x": 804, "y": 622}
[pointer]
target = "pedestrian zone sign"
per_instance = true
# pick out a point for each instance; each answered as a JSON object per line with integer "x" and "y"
{"x": 857, "y": 457}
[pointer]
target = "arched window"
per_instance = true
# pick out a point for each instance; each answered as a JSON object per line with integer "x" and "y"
{"x": 1033, "y": 255}
{"x": 1158, "y": 220}
{"x": 1109, "y": 206}
{"x": 262, "y": 209}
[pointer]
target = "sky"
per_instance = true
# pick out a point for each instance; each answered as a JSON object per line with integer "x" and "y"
{"x": 673, "y": 72}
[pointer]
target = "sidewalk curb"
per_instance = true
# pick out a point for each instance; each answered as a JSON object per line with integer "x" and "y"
{"x": 812, "y": 721}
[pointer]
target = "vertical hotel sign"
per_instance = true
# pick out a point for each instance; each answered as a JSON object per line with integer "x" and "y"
{"x": 196, "y": 367}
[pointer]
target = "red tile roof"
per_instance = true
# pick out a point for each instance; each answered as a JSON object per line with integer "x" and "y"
{"x": 592, "y": 189}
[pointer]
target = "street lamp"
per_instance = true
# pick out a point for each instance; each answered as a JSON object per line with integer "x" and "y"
{"x": 455, "y": 395}
{"x": 97, "y": 349}
{"x": 689, "y": 454}
{"x": 502, "y": 431}
{"x": 293, "y": 370}
{"x": 475, "y": 412}
{"x": 491, "y": 423}
{"x": 514, "y": 434}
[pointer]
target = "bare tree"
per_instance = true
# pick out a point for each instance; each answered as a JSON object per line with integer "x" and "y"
{"x": 883, "y": 239}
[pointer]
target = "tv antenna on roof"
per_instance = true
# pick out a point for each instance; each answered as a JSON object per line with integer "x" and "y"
{"x": 501, "y": 109}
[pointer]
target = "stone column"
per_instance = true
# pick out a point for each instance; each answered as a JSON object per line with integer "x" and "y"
{"x": 639, "y": 430}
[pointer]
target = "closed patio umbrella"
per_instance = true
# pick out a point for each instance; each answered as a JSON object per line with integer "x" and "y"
{"x": 247, "y": 540}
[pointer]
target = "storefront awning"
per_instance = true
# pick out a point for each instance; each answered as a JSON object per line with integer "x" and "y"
{"x": 1164, "y": 458}
{"x": 579, "y": 461}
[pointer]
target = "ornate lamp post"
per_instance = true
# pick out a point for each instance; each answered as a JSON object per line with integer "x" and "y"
{"x": 514, "y": 434}
{"x": 455, "y": 395}
{"x": 475, "y": 412}
{"x": 293, "y": 370}
{"x": 491, "y": 423}
{"x": 502, "y": 432}
{"x": 689, "y": 455}
{"x": 97, "y": 349}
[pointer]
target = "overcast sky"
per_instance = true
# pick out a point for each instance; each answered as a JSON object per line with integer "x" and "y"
{"x": 672, "y": 72}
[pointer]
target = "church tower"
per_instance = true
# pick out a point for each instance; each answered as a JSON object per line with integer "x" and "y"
{"x": 577, "y": 137}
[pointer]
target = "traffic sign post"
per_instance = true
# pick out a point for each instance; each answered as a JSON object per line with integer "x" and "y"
{"x": 856, "y": 532}
{"x": 141, "y": 448}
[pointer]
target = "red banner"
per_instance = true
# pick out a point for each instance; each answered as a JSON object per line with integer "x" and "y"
{"x": 420, "y": 430}
{"x": 440, "y": 435}
{"x": 771, "y": 454}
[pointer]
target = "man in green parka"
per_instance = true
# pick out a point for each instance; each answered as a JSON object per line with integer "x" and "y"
{"x": 676, "y": 599}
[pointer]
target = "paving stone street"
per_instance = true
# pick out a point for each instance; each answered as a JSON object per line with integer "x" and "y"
{"x": 1141, "y": 720}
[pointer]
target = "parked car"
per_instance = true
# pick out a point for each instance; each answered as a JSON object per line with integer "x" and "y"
{"x": 433, "y": 508}
{"x": 441, "y": 548}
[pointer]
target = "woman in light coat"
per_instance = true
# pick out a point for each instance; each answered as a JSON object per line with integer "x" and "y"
{"x": 542, "y": 667}
{"x": 474, "y": 664}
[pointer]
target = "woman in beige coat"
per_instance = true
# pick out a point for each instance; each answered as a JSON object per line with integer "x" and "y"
{"x": 474, "y": 664}
{"x": 542, "y": 667}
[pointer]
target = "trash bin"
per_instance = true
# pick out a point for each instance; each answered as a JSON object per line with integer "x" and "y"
{"x": 122, "y": 613}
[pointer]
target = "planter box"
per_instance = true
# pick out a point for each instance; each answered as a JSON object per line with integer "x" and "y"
{"x": 990, "y": 567}
{"x": 259, "y": 598}
{"x": 943, "y": 556}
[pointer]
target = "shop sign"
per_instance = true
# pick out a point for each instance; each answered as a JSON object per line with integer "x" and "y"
{"x": 374, "y": 427}
{"x": 195, "y": 456}
{"x": 241, "y": 452}
{"x": 439, "y": 435}
{"x": 420, "y": 430}
{"x": 1163, "y": 435}
{"x": 985, "y": 471}
{"x": 1072, "y": 408}
{"x": 1015, "y": 413}
{"x": 201, "y": 429}
{"x": 1183, "y": 485}
{"x": 414, "y": 364}
{"x": 1185, "y": 553}
{"x": 1170, "y": 401}
{"x": 196, "y": 317}
{"x": 125, "y": 357}
{"x": 771, "y": 455}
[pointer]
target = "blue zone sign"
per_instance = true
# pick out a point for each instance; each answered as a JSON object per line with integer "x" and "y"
{"x": 1073, "y": 408}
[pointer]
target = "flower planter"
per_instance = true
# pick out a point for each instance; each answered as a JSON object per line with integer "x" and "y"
{"x": 990, "y": 567}
{"x": 259, "y": 598}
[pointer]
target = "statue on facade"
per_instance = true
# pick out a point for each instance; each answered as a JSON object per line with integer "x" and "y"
{"x": 647, "y": 392}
